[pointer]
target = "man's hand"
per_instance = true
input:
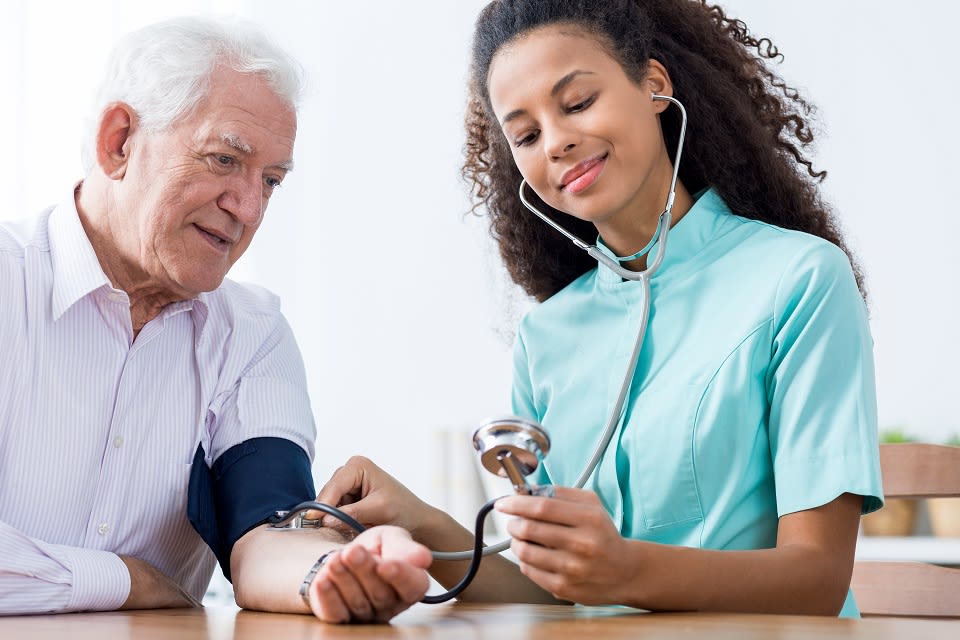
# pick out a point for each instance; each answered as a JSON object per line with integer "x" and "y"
{"x": 375, "y": 577}
{"x": 150, "y": 589}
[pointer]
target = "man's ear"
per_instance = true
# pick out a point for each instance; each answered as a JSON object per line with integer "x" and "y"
{"x": 113, "y": 145}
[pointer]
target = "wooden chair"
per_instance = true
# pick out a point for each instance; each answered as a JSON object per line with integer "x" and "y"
{"x": 912, "y": 588}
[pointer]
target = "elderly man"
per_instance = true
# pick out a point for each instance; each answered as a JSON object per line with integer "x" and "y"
{"x": 149, "y": 408}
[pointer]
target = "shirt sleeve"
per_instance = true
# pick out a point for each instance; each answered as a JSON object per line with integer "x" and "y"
{"x": 37, "y": 577}
{"x": 821, "y": 386}
{"x": 269, "y": 400}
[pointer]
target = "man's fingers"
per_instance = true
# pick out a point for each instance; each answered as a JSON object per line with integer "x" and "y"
{"x": 363, "y": 567}
{"x": 410, "y": 583}
{"x": 389, "y": 542}
{"x": 326, "y": 603}
{"x": 396, "y": 544}
{"x": 350, "y": 589}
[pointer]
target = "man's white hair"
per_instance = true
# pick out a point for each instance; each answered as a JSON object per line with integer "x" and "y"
{"x": 163, "y": 70}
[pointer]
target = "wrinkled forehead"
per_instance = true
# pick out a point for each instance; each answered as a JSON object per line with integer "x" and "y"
{"x": 245, "y": 114}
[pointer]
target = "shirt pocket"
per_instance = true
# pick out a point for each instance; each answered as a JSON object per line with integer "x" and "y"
{"x": 656, "y": 458}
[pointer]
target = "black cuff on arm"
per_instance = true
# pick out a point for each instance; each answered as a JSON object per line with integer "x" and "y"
{"x": 246, "y": 485}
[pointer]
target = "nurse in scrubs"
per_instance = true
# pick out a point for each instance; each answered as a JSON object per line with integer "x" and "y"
{"x": 747, "y": 451}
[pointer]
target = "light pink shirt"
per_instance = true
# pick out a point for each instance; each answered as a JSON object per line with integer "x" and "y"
{"x": 98, "y": 430}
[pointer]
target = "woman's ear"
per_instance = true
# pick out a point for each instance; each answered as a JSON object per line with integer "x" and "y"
{"x": 117, "y": 125}
{"x": 657, "y": 81}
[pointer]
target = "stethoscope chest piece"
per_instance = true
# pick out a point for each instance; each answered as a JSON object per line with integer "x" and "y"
{"x": 511, "y": 447}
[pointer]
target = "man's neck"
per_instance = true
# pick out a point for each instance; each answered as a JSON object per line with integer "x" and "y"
{"x": 147, "y": 300}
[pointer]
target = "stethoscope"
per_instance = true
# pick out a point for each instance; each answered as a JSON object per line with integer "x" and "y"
{"x": 513, "y": 447}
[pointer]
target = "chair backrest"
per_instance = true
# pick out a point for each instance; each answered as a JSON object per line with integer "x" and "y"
{"x": 912, "y": 588}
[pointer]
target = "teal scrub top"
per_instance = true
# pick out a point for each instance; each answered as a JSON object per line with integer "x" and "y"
{"x": 754, "y": 395}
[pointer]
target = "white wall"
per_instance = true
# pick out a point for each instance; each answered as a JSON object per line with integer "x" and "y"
{"x": 396, "y": 296}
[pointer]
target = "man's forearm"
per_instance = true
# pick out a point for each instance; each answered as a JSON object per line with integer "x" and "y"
{"x": 268, "y": 567}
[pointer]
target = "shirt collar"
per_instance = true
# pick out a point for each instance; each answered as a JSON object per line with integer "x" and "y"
{"x": 703, "y": 222}
{"x": 77, "y": 271}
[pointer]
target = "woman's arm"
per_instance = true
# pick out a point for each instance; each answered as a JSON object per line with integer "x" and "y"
{"x": 372, "y": 496}
{"x": 568, "y": 546}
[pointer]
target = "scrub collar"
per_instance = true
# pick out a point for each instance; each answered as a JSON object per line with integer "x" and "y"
{"x": 708, "y": 216}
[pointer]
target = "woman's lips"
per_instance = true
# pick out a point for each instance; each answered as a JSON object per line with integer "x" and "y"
{"x": 583, "y": 175}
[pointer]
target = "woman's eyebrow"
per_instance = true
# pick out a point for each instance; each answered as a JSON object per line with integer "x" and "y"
{"x": 557, "y": 88}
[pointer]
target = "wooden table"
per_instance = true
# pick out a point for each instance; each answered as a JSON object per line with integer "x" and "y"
{"x": 467, "y": 622}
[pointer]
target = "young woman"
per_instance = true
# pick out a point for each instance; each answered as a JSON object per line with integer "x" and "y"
{"x": 746, "y": 450}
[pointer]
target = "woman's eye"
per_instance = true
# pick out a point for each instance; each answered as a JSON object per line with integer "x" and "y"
{"x": 580, "y": 106}
{"x": 527, "y": 139}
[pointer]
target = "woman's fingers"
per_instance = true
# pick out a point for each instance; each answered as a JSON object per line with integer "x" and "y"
{"x": 546, "y": 534}
{"x": 343, "y": 487}
{"x": 557, "y": 510}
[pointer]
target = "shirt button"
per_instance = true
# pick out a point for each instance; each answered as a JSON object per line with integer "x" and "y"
{"x": 103, "y": 528}
{"x": 118, "y": 442}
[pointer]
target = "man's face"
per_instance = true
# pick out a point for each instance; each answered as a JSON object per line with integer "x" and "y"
{"x": 193, "y": 196}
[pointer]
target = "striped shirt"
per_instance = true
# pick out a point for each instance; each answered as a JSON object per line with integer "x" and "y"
{"x": 98, "y": 430}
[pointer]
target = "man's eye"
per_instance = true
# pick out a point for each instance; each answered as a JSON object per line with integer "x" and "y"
{"x": 272, "y": 182}
{"x": 225, "y": 161}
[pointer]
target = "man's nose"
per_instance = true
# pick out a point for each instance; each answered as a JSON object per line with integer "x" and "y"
{"x": 244, "y": 199}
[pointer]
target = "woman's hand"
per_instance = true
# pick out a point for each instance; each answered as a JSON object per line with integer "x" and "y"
{"x": 371, "y": 496}
{"x": 568, "y": 546}
{"x": 373, "y": 578}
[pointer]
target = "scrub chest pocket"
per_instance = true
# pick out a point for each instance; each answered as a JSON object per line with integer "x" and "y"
{"x": 655, "y": 458}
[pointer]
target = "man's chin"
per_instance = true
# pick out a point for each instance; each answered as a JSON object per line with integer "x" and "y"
{"x": 195, "y": 286}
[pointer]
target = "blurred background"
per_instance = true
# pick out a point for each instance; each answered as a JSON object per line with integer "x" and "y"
{"x": 395, "y": 292}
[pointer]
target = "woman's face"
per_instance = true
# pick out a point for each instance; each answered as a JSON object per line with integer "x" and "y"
{"x": 584, "y": 135}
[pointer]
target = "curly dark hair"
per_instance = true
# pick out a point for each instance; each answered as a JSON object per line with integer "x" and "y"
{"x": 746, "y": 134}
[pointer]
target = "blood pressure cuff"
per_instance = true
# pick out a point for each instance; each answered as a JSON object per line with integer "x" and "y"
{"x": 245, "y": 486}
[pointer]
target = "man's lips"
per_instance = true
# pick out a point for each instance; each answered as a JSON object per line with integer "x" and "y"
{"x": 215, "y": 236}
{"x": 582, "y": 175}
